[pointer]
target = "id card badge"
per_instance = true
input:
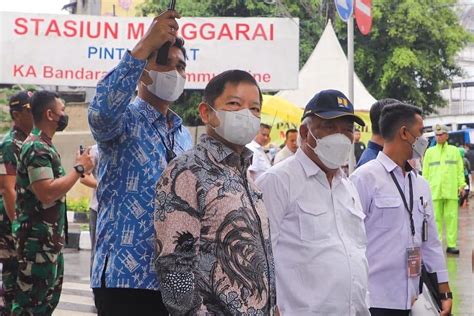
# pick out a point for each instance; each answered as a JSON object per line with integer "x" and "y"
{"x": 414, "y": 262}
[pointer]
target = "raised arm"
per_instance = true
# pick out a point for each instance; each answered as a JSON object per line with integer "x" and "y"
{"x": 43, "y": 184}
{"x": 114, "y": 92}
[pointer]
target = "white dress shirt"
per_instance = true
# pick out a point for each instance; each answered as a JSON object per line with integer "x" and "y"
{"x": 318, "y": 240}
{"x": 283, "y": 154}
{"x": 389, "y": 233}
{"x": 260, "y": 161}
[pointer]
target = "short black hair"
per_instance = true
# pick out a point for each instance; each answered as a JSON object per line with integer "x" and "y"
{"x": 216, "y": 85}
{"x": 357, "y": 130}
{"x": 179, "y": 43}
{"x": 376, "y": 110}
{"x": 395, "y": 116}
{"x": 291, "y": 130}
{"x": 40, "y": 102}
{"x": 265, "y": 126}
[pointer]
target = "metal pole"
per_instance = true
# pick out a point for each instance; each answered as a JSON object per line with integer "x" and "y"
{"x": 350, "y": 56}
{"x": 350, "y": 71}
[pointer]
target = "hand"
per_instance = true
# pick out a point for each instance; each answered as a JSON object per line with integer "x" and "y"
{"x": 461, "y": 192}
{"x": 164, "y": 28}
{"x": 446, "y": 306}
{"x": 277, "y": 312}
{"x": 85, "y": 160}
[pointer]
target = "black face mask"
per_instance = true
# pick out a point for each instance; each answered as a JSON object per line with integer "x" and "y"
{"x": 62, "y": 122}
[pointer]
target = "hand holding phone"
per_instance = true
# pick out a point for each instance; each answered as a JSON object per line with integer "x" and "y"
{"x": 162, "y": 57}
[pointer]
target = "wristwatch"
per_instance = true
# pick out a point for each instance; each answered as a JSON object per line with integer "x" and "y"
{"x": 445, "y": 296}
{"x": 80, "y": 169}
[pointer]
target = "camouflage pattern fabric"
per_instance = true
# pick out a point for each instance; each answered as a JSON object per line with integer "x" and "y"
{"x": 9, "y": 154}
{"x": 40, "y": 237}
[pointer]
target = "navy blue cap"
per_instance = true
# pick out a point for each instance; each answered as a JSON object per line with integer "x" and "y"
{"x": 20, "y": 100}
{"x": 331, "y": 104}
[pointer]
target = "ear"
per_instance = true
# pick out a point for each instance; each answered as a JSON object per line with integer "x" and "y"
{"x": 303, "y": 132}
{"x": 204, "y": 110}
{"x": 403, "y": 132}
{"x": 16, "y": 115}
{"x": 49, "y": 115}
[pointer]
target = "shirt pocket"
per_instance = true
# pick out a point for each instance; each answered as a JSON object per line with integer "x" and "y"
{"x": 355, "y": 227}
{"x": 387, "y": 211}
{"x": 313, "y": 221}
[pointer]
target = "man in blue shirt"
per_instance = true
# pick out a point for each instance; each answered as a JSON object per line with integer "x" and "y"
{"x": 136, "y": 141}
{"x": 375, "y": 144}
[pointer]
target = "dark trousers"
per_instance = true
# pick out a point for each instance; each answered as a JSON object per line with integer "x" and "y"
{"x": 128, "y": 302}
{"x": 388, "y": 312}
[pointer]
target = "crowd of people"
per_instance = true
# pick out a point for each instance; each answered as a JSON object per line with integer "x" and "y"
{"x": 222, "y": 228}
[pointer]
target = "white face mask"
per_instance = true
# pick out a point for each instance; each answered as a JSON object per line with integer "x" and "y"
{"x": 167, "y": 86}
{"x": 419, "y": 147}
{"x": 237, "y": 127}
{"x": 332, "y": 150}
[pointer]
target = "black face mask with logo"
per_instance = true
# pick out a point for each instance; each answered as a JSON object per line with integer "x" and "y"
{"x": 62, "y": 122}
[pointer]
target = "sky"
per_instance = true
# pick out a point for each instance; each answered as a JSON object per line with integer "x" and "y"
{"x": 34, "y": 6}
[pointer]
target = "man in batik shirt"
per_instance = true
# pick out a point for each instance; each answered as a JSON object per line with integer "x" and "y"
{"x": 212, "y": 230}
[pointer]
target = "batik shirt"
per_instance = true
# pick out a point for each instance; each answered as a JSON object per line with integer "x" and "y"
{"x": 133, "y": 140}
{"x": 41, "y": 231}
{"x": 9, "y": 152}
{"x": 213, "y": 235}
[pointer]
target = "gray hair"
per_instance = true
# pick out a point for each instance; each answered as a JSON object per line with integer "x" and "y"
{"x": 307, "y": 121}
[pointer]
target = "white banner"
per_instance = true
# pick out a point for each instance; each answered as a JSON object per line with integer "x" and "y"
{"x": 77, "y": 50}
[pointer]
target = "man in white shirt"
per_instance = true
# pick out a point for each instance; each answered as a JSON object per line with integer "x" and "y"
{"x": 316, "y": 220}
{"x": 290, "y": 146}
{"x": 400, "y": 224}
{"x": 260, "y": 161}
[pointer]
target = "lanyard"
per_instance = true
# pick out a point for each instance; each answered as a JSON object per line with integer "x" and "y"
{"x": 402, "y": 195}
{"x": 170, "y": 154}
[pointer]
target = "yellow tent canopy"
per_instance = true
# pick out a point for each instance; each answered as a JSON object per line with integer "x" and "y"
{"x": 283, "y": 115}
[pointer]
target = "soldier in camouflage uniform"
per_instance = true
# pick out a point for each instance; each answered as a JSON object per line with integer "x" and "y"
{"x": 41, "y": 209}
{"x": 9, "y": 151}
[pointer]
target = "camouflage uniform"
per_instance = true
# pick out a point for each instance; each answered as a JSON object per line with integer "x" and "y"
{"x": 9, "y": 152}
{"x": 40, "y": 237}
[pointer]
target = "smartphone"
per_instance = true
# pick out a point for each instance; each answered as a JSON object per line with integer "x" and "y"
{"x": 162, "y": 57}
{"x": 81, "y": 149}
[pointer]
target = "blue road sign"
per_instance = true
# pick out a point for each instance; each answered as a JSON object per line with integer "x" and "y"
{"x": 344, "y": 8}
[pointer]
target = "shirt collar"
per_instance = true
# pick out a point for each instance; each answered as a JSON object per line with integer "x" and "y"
{"x": 312, "y": 169}
{"x": 309, "y": 167}
{"x": 255, "y": 145}
{"x": 221, "y": 152}
{"x": 19, "y": 130}
{"x": 46, "y": 138}
{"x": 152, "y": 115}
{"x": 374, "y": 146}
{"x": 389, "y": 164}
